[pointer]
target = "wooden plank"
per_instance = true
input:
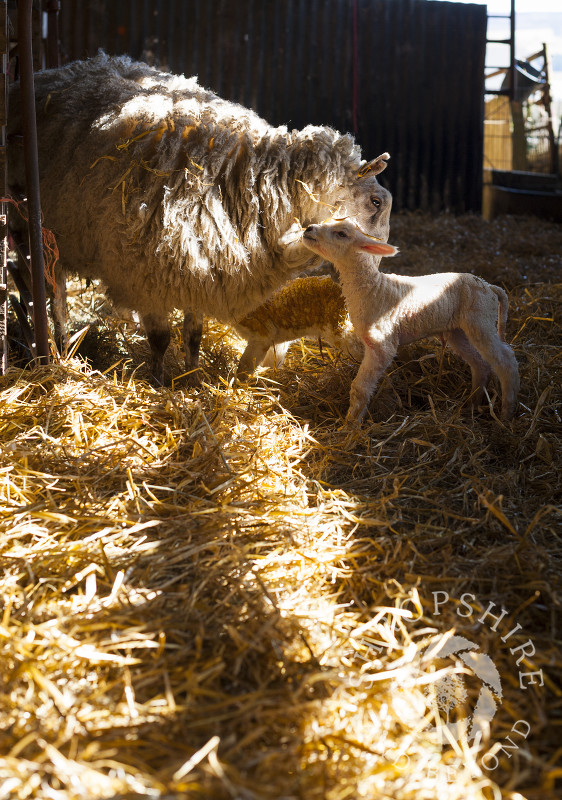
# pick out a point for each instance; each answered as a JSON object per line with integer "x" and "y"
{"x": 498, "y": 144}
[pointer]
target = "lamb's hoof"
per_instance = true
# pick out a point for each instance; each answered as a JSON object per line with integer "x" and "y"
{"x": 353, "y": 420}
{"x": 357, "y": 409}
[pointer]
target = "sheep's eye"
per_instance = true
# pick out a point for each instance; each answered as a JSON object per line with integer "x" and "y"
{"x": 342, "y": 235}
{"x": 376, "y": 201}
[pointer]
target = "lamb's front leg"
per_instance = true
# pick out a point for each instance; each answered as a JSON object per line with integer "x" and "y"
{"x": 252, "y": 357}
{"x": 376, "y": 359}
{"x": 275, "y": 356}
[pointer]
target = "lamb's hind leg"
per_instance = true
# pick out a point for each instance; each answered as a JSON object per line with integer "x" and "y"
{"x": 502, "y": 359}
{"x": 481, "y": 370}
{"x": 158, "y": 335}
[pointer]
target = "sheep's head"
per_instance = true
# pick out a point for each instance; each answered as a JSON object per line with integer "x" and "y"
{"x": 368, "y": 201}
{"x": 337, "y": 239}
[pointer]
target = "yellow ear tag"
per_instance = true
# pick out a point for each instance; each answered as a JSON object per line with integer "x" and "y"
{"x": 364, "y": 170}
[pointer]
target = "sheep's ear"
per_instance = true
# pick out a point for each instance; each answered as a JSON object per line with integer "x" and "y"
{"x": 375, "y": 166}
{"x": 379, "y": 249}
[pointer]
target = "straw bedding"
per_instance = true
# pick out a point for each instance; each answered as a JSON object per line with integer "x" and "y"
{"x": 220, "y": 592}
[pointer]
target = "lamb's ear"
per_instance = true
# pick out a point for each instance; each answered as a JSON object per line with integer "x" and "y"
{"x": 375, "y": 166}
{"x": 379, "y": 249}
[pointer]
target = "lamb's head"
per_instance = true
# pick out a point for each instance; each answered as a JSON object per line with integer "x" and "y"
{"x": 368, "y": 201}
{"x": 338, "y": 240}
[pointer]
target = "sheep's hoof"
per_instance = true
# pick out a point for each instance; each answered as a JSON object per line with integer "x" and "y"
{"x": 193, "y": 378}
{"x": 478, "y": 400}
{"x": 157, "y": 378}
{"x": 508, "y": 414}
{"x": 475, "y": 408}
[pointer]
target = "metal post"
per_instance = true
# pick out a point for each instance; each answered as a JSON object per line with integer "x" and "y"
{"x": 29, "y": 126}
{"x": 512, "y": 65}
{"x": 547, "y": 100}
{"x": 52, "y": 8}
{"x": 519, "y": 160}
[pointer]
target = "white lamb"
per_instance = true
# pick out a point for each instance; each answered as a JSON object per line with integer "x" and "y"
{"x": 306, "y": 307}
{"x": 390, "y": 310}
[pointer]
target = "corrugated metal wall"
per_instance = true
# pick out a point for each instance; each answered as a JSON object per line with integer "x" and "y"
{"x": 404, "y": 75}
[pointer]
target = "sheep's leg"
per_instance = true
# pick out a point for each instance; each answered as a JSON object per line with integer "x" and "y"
{"x": 57, "y": 297}
{"x": 275, "y": 356}
{"x": 192, "y": 332}
{"x": 158, "y": 335}
{"x": 375, "y": 360}
{"x": 251, "y": 358}
{"x": 503, "y": 362}
{"x": 481, "y": 370}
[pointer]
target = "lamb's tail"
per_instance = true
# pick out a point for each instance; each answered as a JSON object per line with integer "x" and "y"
{"x": 503, "y": 303}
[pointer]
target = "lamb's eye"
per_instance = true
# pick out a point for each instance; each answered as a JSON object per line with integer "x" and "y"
{"x": 342, "y": 235}
{"x": 375, "y": 201}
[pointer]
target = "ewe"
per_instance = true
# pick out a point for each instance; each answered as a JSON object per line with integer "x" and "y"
{"x": 390, "y": 310}
{"x": 175, "y": 198}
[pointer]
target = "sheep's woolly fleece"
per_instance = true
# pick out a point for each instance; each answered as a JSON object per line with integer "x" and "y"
{"x": 172, "y": 196}
{"x": 219, "y": 593}
{"x": 304, "y": 302}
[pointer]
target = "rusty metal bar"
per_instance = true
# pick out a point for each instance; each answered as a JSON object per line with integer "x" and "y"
{"x": 3, "y": 188}
{"x": 3, "y": 292}
{"x": 29, "y": 126}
